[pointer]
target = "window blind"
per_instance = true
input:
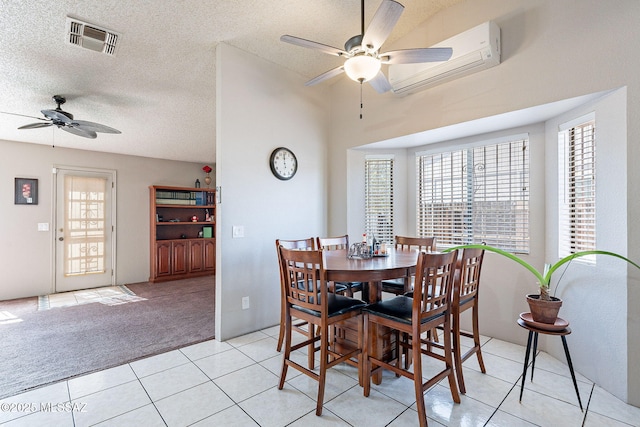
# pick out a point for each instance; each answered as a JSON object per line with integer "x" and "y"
{"x": 577, "y": 189}
{"x": 379, "y": 198}
{"x": 475, "y": 195}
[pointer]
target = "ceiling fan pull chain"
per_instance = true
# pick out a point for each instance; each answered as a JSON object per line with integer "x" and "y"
{"x": 360, "y": 99}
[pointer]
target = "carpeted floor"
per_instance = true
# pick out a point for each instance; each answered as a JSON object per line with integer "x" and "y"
{"x": 42, "y": 347}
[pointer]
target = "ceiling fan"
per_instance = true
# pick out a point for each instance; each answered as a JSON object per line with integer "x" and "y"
{"x": 362, "y": 52}
{"x": 65, "y": 121}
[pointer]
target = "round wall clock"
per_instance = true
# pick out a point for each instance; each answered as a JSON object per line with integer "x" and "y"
{"x": 283, "y": 163}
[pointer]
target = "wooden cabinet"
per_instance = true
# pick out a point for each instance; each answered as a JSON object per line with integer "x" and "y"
{"x": 182, "y": 232}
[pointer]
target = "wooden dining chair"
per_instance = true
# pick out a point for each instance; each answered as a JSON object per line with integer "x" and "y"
{"x": 465, "y": 297}
{"x": 299, "y": 325}
{"x": 429, "y": 308}
{"x": 308, "y": 298}
{"x": 402, "y": 285}
{"x": 340, "y": 243}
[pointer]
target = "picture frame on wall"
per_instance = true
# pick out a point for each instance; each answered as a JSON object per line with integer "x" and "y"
{"x": 26, "y": 191}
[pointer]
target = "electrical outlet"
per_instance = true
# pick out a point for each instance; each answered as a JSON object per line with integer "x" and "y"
{"x": 245, "y": 303}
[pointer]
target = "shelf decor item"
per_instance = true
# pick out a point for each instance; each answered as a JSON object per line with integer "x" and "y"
{"x": 207, "y": 178}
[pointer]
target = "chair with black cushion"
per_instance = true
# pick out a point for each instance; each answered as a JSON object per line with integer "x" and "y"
{"x": 429, "y": 308}
{"x": 298, "y": 326}
{"x": 340, "y": 243}
{"x": 402, "y": 285}
{"x": 308, "y": 298}
{"x": 465, "y": 297}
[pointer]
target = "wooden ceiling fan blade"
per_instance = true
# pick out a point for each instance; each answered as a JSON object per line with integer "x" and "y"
{"x": 79, "y": 131}
{"x": 93, "y": 127}
{"x": 35, "y": 125}
{"x": 382, "y": 23}
{"x": 415, "y": 56}
{"x": 325, "y": 76}
{"x": 380, "y": 83}
{"x": 312, "y": 45}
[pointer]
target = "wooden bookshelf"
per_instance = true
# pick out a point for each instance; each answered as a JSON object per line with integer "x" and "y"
{"x": 182, "y": 232}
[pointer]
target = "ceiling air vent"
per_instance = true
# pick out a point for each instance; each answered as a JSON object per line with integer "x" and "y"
{"x": 91, "y": 36}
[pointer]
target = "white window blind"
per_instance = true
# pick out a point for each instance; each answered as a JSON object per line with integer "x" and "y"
{"x": 577, "y": 188}
{"x": 379, "y": 198}
{"x": 476, "y": 195}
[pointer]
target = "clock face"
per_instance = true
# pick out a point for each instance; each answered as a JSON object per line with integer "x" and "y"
{"x": 283, "y": 163}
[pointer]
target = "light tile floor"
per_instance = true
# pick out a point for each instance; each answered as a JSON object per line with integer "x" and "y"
{"x": 234, "y": 383}
{"x": 108, "y": 295}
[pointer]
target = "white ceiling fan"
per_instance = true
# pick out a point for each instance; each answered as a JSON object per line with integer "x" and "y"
{"x": 362, "y": 52}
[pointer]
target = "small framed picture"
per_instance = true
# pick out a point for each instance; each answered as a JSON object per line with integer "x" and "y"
{"x": 26, "y": 191}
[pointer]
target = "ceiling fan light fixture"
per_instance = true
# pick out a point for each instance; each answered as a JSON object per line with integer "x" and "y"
{"x": 362, "y": 68}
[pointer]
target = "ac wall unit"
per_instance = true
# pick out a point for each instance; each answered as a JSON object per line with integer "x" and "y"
{"x": 473, "y": 50}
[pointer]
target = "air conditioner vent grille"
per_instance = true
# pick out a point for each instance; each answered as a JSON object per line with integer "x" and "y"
{"x": 92, "y": 37}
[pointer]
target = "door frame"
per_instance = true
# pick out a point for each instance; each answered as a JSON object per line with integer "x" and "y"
{"x": 54, "y": 208}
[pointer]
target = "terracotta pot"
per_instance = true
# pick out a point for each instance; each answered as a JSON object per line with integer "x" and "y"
{"x": 544, "y": 311}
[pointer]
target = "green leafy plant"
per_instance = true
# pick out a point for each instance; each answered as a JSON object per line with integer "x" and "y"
{"x": 544, "y": 278}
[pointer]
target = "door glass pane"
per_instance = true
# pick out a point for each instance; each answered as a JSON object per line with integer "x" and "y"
{"x": 84, "y": 231}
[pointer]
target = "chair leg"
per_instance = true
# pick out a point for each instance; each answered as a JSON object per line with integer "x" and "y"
{"x": 476, "y": 338}
{"x": 287, "y": 351}
{"x": 282, "y": 327}
{"x": 457, "y": 356}
{"x": 448, "y": 358}
{"x": 311, "y": 347}
{"x": 322, "y": 375}
{"x": 417, "y": 378}
{"x": 366, "y": 364}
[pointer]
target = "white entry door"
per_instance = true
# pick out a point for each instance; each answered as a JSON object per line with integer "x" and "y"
{"x": 85, "y": 246}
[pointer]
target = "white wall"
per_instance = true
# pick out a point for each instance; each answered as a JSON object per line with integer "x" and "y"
{"x": 261, "y": 107}
{"x": 26, "y": 254}
{"x": 551, "y": 51}
{"x": 595, "y": 296}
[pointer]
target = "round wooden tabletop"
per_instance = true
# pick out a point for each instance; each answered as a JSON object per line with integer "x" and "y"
{"x": 396, "y": 264}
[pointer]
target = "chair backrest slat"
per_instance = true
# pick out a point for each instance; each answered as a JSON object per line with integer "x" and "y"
{"x": 305, "y": 278}
{"x": 434, "y": 284}
{"x": 308, "y": 244}
{"x": 333, "y": 243}
{"x": 468, "y": 281}
{"x": 423, "y": 244}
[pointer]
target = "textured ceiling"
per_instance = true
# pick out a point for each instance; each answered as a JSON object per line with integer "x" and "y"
{"x": 159, "y": 88}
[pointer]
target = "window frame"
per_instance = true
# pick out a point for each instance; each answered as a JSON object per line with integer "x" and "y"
{"x": 577, "y": 207}
{"x": 386, "y": 232}
{"x": 461, "y": 183}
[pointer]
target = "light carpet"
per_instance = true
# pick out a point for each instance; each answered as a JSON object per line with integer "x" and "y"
{"x": 46, "y": 346}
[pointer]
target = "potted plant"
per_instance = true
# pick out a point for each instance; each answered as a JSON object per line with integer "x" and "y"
{"x": 544, "y": 308}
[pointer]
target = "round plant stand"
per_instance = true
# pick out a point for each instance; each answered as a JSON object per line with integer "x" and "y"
{"x": 533, "y": 335}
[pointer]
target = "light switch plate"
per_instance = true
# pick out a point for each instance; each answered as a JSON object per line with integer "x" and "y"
{"x": 43, "y": 226}
{"x": 237, "y": 231}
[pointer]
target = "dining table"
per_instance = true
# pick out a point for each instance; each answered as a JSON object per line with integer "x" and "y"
{"x": 372, "y": 271}
{"x": 394, "y": 264}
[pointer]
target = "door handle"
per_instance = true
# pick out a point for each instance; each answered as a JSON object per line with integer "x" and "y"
{"x": 61, "y": 238}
